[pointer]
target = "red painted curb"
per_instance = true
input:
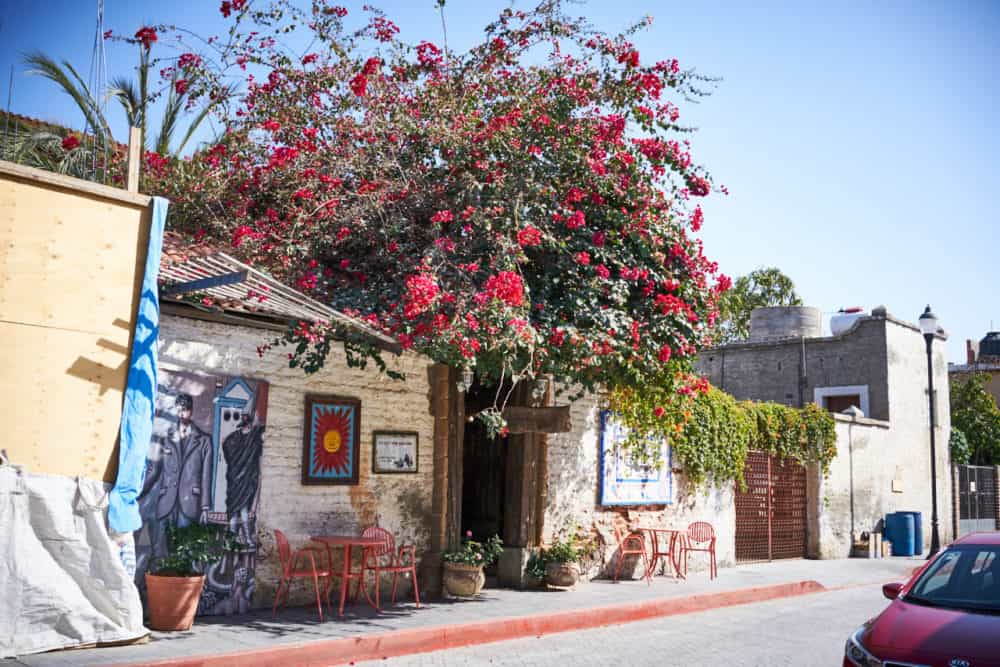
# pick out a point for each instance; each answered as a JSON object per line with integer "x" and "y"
{"x": 421, "y": 640}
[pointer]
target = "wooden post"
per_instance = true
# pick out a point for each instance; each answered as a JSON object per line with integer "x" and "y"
{"x": 134, "y": 156}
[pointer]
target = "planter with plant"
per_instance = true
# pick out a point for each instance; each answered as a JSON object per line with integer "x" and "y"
{"x": 463, "y": 569}
{"x": 174, "y": 583}
{"x": 558, "y": 565}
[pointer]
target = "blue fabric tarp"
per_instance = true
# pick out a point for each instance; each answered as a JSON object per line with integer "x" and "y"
{"x": 140, "y": 392}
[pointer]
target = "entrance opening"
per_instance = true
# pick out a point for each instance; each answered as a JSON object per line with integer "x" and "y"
{"x": 771, "y": 512}
{"x": 484, "y": 472}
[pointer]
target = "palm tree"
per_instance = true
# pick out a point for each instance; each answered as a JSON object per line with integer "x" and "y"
{"x": 135, "y": 99}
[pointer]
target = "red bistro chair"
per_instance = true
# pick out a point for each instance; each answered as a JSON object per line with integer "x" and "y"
{"x": 374, "y": 560}
{"x": 630, "y": 543}
{"x": 302, "y": 564}
{"x": 701, "y": 537}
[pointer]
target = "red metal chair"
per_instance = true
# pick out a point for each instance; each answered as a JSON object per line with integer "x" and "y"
{"x": 374, "y": 561}
{"x": 289, "y": 571}
{"x": 700, "y": 537}
{"x": 630, "y": 543}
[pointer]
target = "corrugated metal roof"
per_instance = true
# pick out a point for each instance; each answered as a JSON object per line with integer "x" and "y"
{"x": 255, "y": 292}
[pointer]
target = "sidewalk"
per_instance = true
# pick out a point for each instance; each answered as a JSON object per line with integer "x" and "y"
{"x": 298, "y": 637}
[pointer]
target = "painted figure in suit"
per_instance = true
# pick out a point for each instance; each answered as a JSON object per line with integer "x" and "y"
{"x": 178, "y": 485}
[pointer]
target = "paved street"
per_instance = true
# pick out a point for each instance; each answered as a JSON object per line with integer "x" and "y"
{"x": 805, "y": 630}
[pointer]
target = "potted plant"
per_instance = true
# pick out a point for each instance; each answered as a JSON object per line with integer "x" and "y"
{"x": 174, "y": 583}
{"x": 558, "y": 565}
{"x": 463, "y": 569}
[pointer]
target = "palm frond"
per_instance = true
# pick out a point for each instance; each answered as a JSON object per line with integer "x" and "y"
{"x": 200, "y": 117}
{"x": 44, "y": 66}
{"x": 124, "y": 91}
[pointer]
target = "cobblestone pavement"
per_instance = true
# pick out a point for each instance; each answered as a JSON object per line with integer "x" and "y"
{"x": 804, "y": 631}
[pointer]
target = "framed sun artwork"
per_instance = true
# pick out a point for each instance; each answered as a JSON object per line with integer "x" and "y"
{"x": 330, "y": 443}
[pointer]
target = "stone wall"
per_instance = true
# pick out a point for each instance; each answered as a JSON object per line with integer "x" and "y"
{"x": 885, "y": 465}
{"x": 399, "y": 503}
{"x": 573, "y": 498}
{"x": 773, "y": 371}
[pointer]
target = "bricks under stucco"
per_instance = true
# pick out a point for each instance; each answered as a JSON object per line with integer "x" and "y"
{"x": 400, "y": 503}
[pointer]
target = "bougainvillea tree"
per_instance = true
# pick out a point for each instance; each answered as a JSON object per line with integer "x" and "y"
{"x": 525, "y": 207}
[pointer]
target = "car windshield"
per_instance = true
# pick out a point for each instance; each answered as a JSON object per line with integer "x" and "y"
{"x": 963, "y": 577}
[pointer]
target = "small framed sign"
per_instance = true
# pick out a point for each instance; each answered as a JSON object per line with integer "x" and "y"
{"x": 330, "y": 444}
{"x": 395, "y": 451}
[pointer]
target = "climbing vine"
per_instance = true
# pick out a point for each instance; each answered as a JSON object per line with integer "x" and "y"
{"x": 711, "y": 432}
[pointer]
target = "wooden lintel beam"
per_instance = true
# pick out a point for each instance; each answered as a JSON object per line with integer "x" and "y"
{"x": 204, "y": 283}
{"x": 538, "y": 420}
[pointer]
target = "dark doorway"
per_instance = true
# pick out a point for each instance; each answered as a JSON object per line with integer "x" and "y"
{"x": 484, "y": 467}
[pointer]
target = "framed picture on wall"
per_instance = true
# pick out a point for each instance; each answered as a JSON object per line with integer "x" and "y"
{"x": 394, "y": 451}
{"x": 330, "y": 442}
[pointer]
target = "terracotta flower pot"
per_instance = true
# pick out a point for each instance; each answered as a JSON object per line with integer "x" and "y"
{"x": 172, "y": 601}
{"x": 562, "y": 575}
{"x": 463, "y": 580}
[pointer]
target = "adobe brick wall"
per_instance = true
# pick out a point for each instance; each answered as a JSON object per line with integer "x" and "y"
{"x": 400, "y": 503}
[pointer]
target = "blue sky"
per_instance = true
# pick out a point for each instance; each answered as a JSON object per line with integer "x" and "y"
{"x": 859, "y": 141}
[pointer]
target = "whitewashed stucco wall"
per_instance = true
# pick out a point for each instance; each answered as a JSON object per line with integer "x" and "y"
{"x": 889, "y": 461}
{"x": 400, "y": 503}
{"x": 573, "y": 496}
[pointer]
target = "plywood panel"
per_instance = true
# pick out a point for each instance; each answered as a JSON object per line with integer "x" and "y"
{"x": 62, "y": 396}
{"x": 66, "y": 259}
{"x": 71, "y": 265}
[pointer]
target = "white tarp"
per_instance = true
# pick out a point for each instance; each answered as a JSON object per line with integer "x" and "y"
{"x": 62, "y": 582}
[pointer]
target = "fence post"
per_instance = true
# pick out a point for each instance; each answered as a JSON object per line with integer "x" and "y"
{"x": 134, "y": 156}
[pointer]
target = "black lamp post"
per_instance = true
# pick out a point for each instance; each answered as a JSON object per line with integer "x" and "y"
{"x": 929, "y": 327}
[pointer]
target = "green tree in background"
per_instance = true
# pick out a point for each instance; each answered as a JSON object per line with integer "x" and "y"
{"x": 760, "y": 288}
{"x": 959, "y": 446}
{"x": 974, "y": 412}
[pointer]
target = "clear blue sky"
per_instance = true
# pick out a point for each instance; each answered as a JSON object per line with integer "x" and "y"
{"x": 859, "y": 142}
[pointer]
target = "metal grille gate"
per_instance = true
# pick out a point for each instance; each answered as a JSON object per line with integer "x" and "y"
{"x": 771, "y": 513}
{"x": 977, "y": 500}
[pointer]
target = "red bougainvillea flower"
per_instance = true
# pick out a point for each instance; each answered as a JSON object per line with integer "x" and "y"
{"x": 582, "y": 258}
{"x": 529, "y": 236}
{"x": 181, "y": 86}
{"x": 443, "y": 217}
{"x": 331, "y": 437}
{"x": 421, "y": 290}
{"x": 506, "y": 286}
{"x": 70, "y": 142}
{"x": 146, "y": 36}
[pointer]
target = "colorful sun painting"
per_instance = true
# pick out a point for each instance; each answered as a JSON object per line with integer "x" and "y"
{"x": 331, "y": 440}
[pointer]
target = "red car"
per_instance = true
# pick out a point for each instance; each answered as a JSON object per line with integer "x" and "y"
{"x": 946, "y": 615}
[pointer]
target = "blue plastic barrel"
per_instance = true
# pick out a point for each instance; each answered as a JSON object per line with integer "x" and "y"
{"x": 918, "y": 531}
{"x": 899, "y": 529}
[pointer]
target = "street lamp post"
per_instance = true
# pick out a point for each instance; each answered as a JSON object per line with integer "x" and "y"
{"x": 929, "y": 327}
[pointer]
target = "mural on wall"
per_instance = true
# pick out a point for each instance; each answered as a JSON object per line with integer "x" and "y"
{"x": 204, "y": 467}
{"x": 330, "y": 440}
{"x": 625, "y": 481}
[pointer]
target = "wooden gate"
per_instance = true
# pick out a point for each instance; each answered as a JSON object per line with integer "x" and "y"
{"x": 771, "y": 513}
{"x": 977, "y": 499}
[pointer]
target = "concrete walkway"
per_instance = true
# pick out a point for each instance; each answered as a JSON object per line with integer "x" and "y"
{"x": 298, "y": 637}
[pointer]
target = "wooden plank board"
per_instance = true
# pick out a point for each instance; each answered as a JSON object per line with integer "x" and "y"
{"x": 538, "y": 420}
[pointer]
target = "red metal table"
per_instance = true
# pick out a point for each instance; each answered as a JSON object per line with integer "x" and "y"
{"x": 346, "y": 574}
{"x": 672, "y": 536}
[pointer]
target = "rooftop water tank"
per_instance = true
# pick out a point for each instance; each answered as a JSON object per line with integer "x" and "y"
{"x": 844, "y": 319}
{"x": 777, "y": 322}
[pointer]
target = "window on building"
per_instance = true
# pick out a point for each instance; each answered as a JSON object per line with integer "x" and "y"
{"x": 841, "y": 403}
{"x": 838, "y": 399}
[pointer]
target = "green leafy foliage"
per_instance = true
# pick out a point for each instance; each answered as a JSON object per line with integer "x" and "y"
{"x": 958, "y": 445}
{"x": 711, "y": 432}
{"x": 191, "y": 548}
{"x": 758, "y": 289}
{"x": 974, "y": 412}
{"x": 569, "y": 550}
{"x": 475, "y": 553}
